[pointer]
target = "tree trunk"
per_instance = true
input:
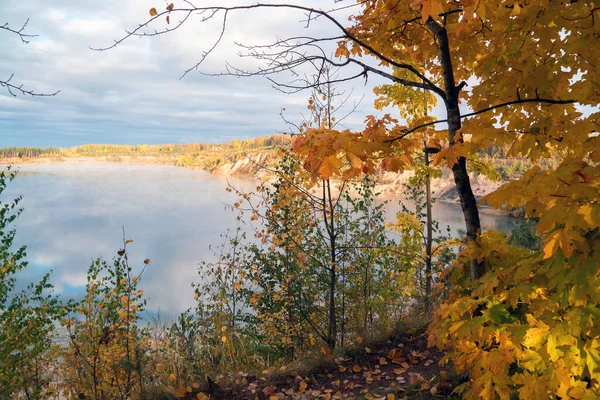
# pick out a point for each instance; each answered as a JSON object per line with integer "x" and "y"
{"x": 459, "y": 170}
{"x": 330, "y": 227}
{"x": 429, "y": 239}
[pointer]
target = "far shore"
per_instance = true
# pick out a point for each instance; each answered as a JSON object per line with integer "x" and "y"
{"x": 167, "y": 160}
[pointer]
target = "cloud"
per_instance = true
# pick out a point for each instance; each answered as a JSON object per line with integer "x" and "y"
{"x": 133, "y": 94}
{"x": 73, "y": 215}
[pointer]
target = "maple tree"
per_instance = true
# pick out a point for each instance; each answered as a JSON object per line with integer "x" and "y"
{"x": 503, "y": 60}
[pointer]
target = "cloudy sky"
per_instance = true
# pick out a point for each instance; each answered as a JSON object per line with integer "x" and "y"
{"x": 133, "y": 94}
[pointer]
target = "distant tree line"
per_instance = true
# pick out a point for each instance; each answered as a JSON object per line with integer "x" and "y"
{"x": 95, "y": 150}
{"x": 12, "y": 152}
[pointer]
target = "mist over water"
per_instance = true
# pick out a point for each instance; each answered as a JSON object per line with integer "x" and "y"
{"x": 75, "y": 212}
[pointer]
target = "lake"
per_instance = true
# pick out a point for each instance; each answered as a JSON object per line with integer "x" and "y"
{"x": 75, "y": 212}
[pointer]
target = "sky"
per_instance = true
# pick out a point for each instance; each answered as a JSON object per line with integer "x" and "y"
{"x": 133, "y": 94}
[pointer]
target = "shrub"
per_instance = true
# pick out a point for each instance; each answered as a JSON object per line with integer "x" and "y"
{"x": 26, "y": 317}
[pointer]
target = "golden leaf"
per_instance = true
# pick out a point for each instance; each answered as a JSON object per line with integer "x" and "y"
{"x": 303, "y": 386}
{"x": 576, "y": 392}
{"x": 153, "y": 12}
{"x": 181, "y": 391}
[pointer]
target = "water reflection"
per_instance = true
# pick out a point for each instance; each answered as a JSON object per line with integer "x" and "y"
{"x": 75, "y": 212}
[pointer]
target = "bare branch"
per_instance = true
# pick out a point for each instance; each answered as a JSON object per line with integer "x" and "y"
{"x": 483, "y": 110}
{"x": 209, "y": 12}
{"x": 19, "y": 32}
{"x": 12, "y": 88}
{"x": 520, "y": 101}
{"x": 214, "y": 46}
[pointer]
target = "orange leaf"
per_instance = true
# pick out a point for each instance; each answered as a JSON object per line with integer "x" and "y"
{"x": 303, "y": 386}
{"x": 181, "y": 391}
{"x": 153, "y": 12}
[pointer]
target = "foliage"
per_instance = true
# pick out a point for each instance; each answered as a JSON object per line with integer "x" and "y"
{"x": 527, "y": 66}
{"x": 107, "y": 352}
{"x": 522, "y": 322}
{"x": 525, "y": 235}
{"x": 26, "y": 317}
{"x": 324, "y": 270}
{"x": 533, "y": 318}
{"x": 411, "y": 224}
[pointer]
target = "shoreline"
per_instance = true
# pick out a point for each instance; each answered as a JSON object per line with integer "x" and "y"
{"x": 390, "y": 183}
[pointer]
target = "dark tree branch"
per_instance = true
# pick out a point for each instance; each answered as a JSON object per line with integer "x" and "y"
{"x": 520, "y": 101}
{"x": 292, "y": 59}
{"x": 538, "y": 100}
{"x": 461, "y": 86}
{"x": 214, "y": 46}
{"x": 12, "y": 88}
{"x": 19, "y": 32}
{"x": 313, "y": 13}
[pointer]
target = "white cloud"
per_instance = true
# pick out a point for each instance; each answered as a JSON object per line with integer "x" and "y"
{"x": 132, "y": 93}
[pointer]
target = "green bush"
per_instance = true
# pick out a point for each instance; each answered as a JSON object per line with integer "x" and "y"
{"x": 26, "y": 317}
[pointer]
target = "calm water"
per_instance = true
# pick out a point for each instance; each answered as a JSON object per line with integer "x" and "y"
{"x": 75, "y": 213}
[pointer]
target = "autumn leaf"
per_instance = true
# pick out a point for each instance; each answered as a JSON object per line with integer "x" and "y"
{"x": 577, "y": 392}
{"x": 302, "y": 387}
{"x": 181, "y": 391}
{"x": 269, "y": 390}
{"x": 430, "y": 8}
{"x": 153, "y": 12}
